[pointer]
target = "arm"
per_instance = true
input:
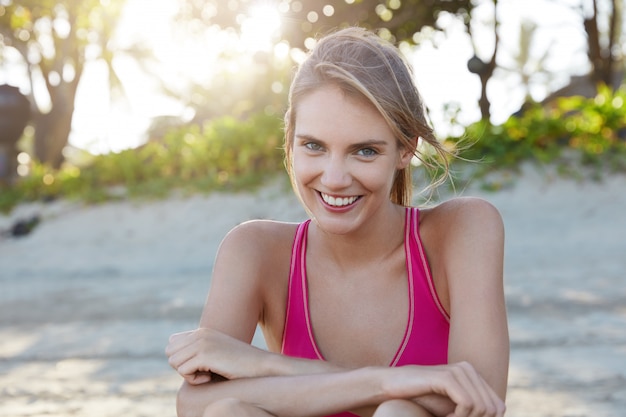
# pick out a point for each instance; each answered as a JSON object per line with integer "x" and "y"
{"x": 474, "y": 271}
{"x": 249, "y": 370}
{"x": 236, "y": 302}
{"x": 305, "y": 395}
{"x": 465, "y": 239}
{"x": 249, "y": 286}
{"x": 246, "y": 285}
{"x": 467, "y": 236}
{"x": 327, "y": 393}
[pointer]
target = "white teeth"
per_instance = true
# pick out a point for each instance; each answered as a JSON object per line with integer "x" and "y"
{"x": 338, "y": 201}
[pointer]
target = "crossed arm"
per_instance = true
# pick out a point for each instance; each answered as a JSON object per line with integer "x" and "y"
{"x": 216, "y": 366}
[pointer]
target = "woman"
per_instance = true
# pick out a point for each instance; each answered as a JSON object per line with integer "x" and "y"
{"x": 371, "y": 307}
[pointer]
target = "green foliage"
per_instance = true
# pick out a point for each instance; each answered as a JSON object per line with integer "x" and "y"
{"x": 592, "y": 131}
{"x": 224, "y": 154}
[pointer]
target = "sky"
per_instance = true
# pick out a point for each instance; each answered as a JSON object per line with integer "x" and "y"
{"x": 179, "y": 58}
{"x": 105, "y": 123}
{"x": 442, "y": 73}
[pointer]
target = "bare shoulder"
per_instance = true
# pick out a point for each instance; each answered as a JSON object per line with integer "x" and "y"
{"x": 465, "y": 238}
{"x": 464, "y": 218}
{"x": 249, "y": 279}
{"x": 258, "y": 240}
{"x": 463, "y": 207}
{"x": 254, "y": 231}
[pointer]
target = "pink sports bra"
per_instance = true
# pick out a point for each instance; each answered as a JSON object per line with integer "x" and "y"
{"x": 425, "y": 340}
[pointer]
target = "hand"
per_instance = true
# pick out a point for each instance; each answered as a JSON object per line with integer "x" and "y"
{"x": 198, "y": 355}
{"x": 460, "y": 382}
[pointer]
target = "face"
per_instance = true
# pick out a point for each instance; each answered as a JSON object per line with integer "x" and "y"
{"x": 345, "y": 159}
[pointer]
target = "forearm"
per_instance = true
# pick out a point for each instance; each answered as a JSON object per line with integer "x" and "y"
{"x": 282, "y": 365}
{"x": 302, "y": 395}
{"x": 269, "y": 364}
{"x": 437, "y": 405}
{"x": 275, "y": 382}
{"x": 276, "y": 364}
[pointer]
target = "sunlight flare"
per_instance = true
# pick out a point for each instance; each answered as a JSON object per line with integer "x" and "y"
{"x": 260, "y": 26}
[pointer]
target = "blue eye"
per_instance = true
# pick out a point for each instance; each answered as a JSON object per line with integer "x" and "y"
{"x": 367, "y": 152}
{"x": 313, "y": 146}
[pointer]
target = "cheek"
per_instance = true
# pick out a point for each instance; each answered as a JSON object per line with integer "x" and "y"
{"x": 375, "y": 177}
{"x": 303, "y": 169}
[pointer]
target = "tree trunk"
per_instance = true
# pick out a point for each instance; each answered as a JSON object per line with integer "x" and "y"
{"x": 483, "y": 103}
{"x": 485, "y": 74}
{"x": 485, "y": 70}
{"x": 51, "y": 134}
{"x": 602, "y": 59}
{"x": 52, "y": 129}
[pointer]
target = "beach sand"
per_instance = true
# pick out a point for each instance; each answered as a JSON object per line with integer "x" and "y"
{"x": 89, "y": 299}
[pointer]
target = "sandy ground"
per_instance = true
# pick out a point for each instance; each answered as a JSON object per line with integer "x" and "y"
{"x": 88, "y": 300}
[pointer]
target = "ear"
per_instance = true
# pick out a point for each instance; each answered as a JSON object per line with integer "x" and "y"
{"x": 406, "y": 154}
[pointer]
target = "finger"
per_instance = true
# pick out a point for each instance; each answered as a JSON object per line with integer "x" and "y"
{"x": 182, "y": 355}
{"x": 448, "y": 384}
{"x": 494, "y": 406}
{"x": 472, "y": 403}
{"x": 173, "y": 348}
{"x": 496, "y": 403}
{"x": 190, "y": 359}
{"x": 483, "y": 401}
{"x": 178, "y": 340}
{"x": 181, "y": 335}
{"x": 198, "y": 378}
{"x": 182, "y": 338}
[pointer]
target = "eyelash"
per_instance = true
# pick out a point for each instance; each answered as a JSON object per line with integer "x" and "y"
{"x": 364, "y": 152}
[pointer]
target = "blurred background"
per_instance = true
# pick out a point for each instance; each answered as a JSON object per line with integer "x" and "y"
{"x": 151, "y": 95}
{"x": 126, "y": 101}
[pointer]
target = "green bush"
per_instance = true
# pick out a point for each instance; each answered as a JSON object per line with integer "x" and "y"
{"x": 221, "y": 154}
{"x": 594, "y": 130}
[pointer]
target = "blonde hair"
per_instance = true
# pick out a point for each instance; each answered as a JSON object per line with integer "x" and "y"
{"x": 362, "y": 64}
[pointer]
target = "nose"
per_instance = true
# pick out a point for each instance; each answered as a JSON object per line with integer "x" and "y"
{"x": 336, "y": 174}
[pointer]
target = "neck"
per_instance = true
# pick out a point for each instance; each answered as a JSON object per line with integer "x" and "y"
{"x": 368, "y": 244}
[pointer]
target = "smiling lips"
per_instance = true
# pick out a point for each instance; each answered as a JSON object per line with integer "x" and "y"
{"x": 338, "y": 201}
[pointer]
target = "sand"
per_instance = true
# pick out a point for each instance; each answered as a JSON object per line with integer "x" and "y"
{"x": 88, "y": 300}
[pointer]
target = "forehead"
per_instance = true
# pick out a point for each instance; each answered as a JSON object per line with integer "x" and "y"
{"x": 329, "y": 112}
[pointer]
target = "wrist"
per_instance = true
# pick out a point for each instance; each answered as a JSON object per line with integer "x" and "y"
{"x": 277, "y": 364}
{"x": 404, "y": 382}
{"x": 271, "y": 364}
{"x": 373, "y": 380}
